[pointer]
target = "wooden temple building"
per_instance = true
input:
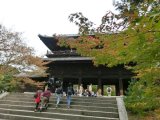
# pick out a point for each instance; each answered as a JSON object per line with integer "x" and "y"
{"x": 68, "y": 66}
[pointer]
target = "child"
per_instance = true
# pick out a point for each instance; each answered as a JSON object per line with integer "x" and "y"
{"x": 37, "y": 99}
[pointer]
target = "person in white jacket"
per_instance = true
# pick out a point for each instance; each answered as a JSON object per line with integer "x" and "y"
{"x": 80, "y": 90}
{"x": 109, "y": 90}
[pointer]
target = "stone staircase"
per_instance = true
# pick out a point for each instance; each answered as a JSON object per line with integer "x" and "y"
{"x": 20, "y": 106}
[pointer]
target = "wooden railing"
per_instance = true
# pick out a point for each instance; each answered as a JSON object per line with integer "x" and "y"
{"x": 63, "y": 53}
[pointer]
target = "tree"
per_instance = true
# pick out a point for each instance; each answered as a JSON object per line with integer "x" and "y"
{"x": 85, "y": 26}
{"x": 134, "y": 39}
{"x": 15, "y": 57}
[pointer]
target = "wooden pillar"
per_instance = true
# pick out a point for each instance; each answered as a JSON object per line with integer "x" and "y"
{"x": 99, "y": 87}
{"x": 117, "y": 90}
{"x": 102, "y": 87}
{"x": 61, "y": 81}
{"x": 121, "y": 86}
{"x": 79, "y": 82}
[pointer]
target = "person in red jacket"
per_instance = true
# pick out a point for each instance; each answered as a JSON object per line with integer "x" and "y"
{"x": 37, "y": 99}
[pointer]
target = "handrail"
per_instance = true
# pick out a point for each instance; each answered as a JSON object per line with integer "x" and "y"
{"x": 121, "y": 108}
{"x": 3, "y": 94}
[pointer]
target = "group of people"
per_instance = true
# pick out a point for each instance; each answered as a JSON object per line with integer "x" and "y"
{"x": 89, "y": 92}
{"x": 42, "y": 98}
{"x": 68, "y": 92}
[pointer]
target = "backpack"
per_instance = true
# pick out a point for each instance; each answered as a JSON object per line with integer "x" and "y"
{"x": 59, "y": 91}
{"x": 69, "y": 91}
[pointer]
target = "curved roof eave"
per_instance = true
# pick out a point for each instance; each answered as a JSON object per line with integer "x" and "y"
{"x": 50, "y": 42}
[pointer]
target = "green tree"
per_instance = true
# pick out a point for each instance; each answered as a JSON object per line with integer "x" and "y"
{"x": 85, "y": 26}
{"x": 135, "y": 39}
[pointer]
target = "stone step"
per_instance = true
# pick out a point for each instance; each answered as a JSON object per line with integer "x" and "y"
{"x": 74, "y": 97}
{"x": 49, "y": 115}
{"x": 20, "y": 106}
{"x": 108, "y": 108}
{"x": 66, "y": 111}
{"x": 4, "y": 116}
{"x": 63, "y": 101}
{"x": 3, "y": 119}
{"x": 111, "y": 98}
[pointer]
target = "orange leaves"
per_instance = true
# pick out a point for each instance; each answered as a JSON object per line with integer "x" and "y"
{"x": 33, "y": 60}
{"x": 82, "y": 42}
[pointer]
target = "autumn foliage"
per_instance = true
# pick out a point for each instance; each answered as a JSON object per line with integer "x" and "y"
{"x": 136, "y": 40}
{"x": 16, "y": 57}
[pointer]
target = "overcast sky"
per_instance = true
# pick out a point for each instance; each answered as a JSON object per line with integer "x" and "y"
{"x": 48, "y": 17}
